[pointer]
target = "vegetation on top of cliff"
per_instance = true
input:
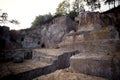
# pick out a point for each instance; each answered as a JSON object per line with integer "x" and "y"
{"x": 43, "y": 19}
{"x": 116, "y": 9}
{"x": 72, "y": 10}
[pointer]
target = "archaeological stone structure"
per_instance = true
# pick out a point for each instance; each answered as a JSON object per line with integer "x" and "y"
{"x": 90, "y": 45}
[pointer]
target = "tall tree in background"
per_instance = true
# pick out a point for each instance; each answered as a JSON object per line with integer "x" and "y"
{"x": 63, "y": 7}
{"x": 93, "y": 4}
{"x": 14, "y": 21}
{"x": 110, "y": 2}
{"x": 4, "y": 16}
{"x": 76, "y": 5}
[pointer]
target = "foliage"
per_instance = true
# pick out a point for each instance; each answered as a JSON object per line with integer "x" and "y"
{"x": 14, "y": 21}
{"x": 72, "y": 15}
{"x": 93, "y": 4}
{"x": 41, "y": 19}
{"x": 110, "y": 2}
{"x": 4, "y": 16}
{"x": 63, "y": 7}
{"x": 78, "y": 6}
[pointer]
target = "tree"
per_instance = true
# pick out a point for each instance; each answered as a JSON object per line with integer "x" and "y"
{"x": 77, "y": 5}
{"x": 4, "y": 16}
{"x": 41, "y": 19}
{"x": 93, "y": 4}
{"x": 109, "y": 2}
{"x": 14, "y": 21}
{"x": 72, "y": 15}
{"x": 63, "y": 7}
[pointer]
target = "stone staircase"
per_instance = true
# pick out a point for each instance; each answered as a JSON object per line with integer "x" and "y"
{"x": 42, "y": 62}
{"x": 45, "y": 55}
{"x": 99, "y": 58}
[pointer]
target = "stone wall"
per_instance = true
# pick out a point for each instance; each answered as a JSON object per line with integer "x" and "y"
{"x": 92, "y": 26}
{"x": 9, "y": 39}
{"x": 97, "y": 38}
{"x": 15, "y": 55}
{"x": 47, "y": 35}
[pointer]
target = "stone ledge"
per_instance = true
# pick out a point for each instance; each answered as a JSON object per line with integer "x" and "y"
{"x": 97, "y": 65}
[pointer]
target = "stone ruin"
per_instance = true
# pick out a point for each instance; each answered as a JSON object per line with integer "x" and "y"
{"x": 98, "y": 41}
{"x": 90, "y": 45}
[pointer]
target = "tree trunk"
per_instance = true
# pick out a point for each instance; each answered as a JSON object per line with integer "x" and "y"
{"x": 118, "y": 2}
{"x": 109, "y": 5}
{"x": 114, "y": 3}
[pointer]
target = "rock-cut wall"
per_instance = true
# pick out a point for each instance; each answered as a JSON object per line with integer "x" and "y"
{"x": 47, "y": 35}
{"x": 97, "y": 38}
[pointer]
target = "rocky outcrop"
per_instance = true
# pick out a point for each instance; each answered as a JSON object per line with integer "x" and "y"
{"x": 9, "y": 39}
{"x": 15, "y": 55}
{"x": 98, "y": 41}
{"x": 47, "y": 35}
{"x": 101, "y": 25}
{"x": 102, "y": 65}
{"x": 96, "y": 35}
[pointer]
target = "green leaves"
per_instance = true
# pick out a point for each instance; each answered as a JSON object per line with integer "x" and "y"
{"x": 63, "y": 7}
{"x": 41, "y": 19}
{"x": 14, "y": 21}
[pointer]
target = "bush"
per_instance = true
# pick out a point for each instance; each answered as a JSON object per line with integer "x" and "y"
{"x": 72, "y": 15}
{"x": 41, "y": 19}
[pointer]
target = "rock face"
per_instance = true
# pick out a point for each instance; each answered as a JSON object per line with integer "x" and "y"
{"x": 9, "y": 39}
{"x": 101, "y": 25}
{"x": 43, "y": 62}
{"x": 98, "y": 41}
{"x": 95, "y": 35}
{"x": 98, "y": 65}
{"x": 49, "y": 35}
{"x": 15, "y": 55}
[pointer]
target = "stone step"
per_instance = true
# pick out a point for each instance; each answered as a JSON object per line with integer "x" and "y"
{"x": 45, "y": 56}
{"x": 11, "y": 68}
{"x": 33, "y": 68}
{"x": 107, "y": 66}
{"x": 15, "y": 55}
{"x": 108, "y": 46}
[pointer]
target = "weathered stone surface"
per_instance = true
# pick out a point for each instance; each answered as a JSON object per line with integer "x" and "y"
{"x": 98, "y": 65}
{"x": 105, "y": 46}
{"x": 9, "y": 39}
{"x": 98, "y": 36}
{"x": 30, "y": 69}
{"x": 47, "y": 35}
{"x": 95, "y": 33}
{"x": 100, "y": 26}
{"x": 91, "y": 26}
{"x": 53, "y": 34}
{"x": 15, "y": 55}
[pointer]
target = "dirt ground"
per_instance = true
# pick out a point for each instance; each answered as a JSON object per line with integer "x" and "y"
{"x": 67, "y": 74}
